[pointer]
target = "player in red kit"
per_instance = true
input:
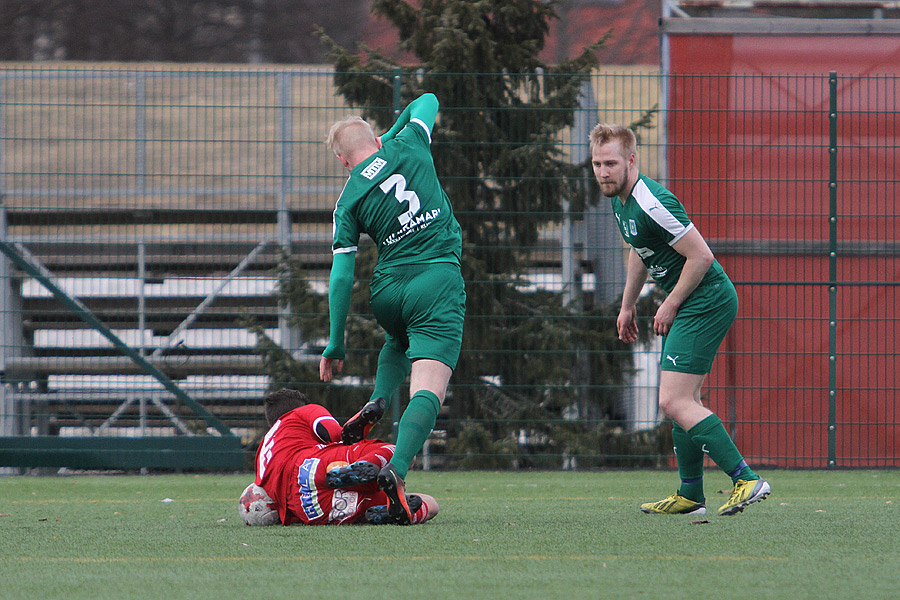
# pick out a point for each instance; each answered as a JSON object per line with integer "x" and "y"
{"x": 313, "y": 479}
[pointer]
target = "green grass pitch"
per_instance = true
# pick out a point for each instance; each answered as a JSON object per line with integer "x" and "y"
{"x": 507, "y": 535}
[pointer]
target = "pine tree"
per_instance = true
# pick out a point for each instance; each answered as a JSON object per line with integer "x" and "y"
{"x": 498, "y": 154}
{"x": 502, "y": 111}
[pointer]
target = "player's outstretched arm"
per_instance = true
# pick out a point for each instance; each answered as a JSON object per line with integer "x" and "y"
{"x": 424, "y": 109}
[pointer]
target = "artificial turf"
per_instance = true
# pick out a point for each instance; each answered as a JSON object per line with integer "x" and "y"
{"x": 522, "y": 535}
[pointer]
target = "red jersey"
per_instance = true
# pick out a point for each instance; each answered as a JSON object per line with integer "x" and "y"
{"x": 293, "y": 458}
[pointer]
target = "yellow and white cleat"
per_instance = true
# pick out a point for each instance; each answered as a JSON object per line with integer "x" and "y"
{"x": 744, "y": 494}
{"x": 674, "y": 505}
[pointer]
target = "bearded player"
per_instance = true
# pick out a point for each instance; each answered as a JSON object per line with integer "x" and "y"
{"x": 309, "y": 477}
{"x": 700, "y": 306}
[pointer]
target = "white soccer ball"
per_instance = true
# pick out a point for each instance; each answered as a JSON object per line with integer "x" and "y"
{"x": 257, "y": 508}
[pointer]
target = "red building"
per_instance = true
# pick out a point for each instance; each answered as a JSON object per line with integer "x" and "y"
{"x": 634, "y": 26}
{"x": 794, "y": 175}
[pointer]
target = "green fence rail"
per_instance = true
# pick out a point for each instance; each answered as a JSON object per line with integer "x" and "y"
{"x": 166, "y": 200}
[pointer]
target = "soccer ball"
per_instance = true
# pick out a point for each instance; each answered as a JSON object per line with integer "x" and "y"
{"x": 257, "y": 508}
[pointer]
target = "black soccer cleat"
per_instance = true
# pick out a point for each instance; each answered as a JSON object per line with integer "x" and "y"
{"x": 378, "y": 515}
{"x": 392, "y": 484}
{"x": 358, "y": 426}
{"x": 358, "y": 473}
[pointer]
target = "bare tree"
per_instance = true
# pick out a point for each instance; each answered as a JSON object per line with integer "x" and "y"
{"x": 288, "y": 27}
{"x": 25, "y": 29}
{"x": 175, "y": 30}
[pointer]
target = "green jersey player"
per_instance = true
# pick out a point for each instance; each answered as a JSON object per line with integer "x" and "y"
{"x": 393, "y": 195}
{"x": 700, "y": 306}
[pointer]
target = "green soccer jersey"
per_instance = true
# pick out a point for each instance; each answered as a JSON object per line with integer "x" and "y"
{"x": 395, "y": 197}
{"x": 651, "y": 221}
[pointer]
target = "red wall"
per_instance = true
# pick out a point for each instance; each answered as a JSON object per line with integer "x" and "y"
{"x": 760, "y": 54}
{"x": 748, "y": 139}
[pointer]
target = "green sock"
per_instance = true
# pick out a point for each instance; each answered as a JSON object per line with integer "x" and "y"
{"x": 690, "y": 465}
{"x": 393, "y": 367}
{"x": 415, "y": 426}
{"x": 710, "y": 436}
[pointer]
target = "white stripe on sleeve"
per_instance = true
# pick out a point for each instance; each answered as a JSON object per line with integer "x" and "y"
{"x": 422, "y": 124}
{"x": 654, "y": 209}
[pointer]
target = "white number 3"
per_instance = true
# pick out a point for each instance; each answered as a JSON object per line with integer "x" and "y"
{"x": 399, "y": 181}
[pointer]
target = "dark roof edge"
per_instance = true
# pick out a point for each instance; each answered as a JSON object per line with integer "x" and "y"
{"x": 780, "y": 26}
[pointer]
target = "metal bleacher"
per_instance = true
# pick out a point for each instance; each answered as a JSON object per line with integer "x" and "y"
{"x": 175, "y": 299}
{"x": 158, "y": 198}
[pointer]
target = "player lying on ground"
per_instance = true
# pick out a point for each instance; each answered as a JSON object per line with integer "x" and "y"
{"x": 304, "y": 475}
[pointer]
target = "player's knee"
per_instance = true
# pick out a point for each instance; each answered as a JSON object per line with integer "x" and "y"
{"x": 672, "y": 403}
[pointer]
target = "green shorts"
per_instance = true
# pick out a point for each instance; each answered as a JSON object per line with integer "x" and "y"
{"x": 422, "y": 308}
{"x": 699, "y": 328}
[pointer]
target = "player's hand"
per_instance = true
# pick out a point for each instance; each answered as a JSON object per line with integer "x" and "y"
{"x": 625, "y": 325}
{"x": 327, "y": 366}
{"x": 665, "y": 315}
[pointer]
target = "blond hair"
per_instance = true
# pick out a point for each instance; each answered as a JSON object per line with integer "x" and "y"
{"x": 349, "y": 133}
{"x": 603, "y": 133}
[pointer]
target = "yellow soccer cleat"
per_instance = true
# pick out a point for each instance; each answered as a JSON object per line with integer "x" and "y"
{"x": 745, "y": 493}
{"x": 674, "y": 505}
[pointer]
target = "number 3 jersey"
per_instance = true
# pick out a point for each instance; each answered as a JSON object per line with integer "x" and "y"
{"x": 293, "y": 458}
{"x": 395, "y": 197}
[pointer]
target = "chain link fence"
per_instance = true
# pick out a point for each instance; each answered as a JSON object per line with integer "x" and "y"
{"x": 162, "y": 225}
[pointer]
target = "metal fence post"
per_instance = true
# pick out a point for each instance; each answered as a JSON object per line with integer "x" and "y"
{"x": 7, "y": 399}
{"x": 832, "y": 267}
{"x": 290, "y": 338}
{"x": 140, "y": 126}
{"x": 398, "y": 108}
